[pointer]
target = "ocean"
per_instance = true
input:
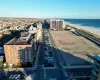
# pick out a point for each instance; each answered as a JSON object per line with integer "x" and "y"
{"x": 94, "y": 23}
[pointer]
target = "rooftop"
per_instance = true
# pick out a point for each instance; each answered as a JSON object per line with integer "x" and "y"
{"x": 25, "y": 34}
{"x": 21, "y": 41}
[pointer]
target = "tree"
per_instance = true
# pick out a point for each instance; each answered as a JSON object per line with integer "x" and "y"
{"x": 1, "y": 65}
{"x": 19, "y": 65}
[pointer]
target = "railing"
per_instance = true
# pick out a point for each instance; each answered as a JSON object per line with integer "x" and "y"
{"x": 92, "y": 38}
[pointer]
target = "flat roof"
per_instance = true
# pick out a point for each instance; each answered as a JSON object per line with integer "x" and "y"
{"x": 24, "y": 34}
{"x": 17, "y": 41}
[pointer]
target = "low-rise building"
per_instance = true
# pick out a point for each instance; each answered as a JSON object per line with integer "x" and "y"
{"x": 32, "y": 30}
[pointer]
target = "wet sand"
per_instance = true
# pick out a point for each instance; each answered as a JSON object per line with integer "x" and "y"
{"x": 90, "y": 29}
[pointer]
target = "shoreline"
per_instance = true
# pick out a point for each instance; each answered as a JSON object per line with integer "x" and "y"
{"x": 92, "y": 30}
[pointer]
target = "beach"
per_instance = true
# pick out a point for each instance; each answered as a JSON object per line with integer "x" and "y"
{"x": 90, "y": 29}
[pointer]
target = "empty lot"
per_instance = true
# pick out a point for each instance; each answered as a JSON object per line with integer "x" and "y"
{"x": 74, "y": 49}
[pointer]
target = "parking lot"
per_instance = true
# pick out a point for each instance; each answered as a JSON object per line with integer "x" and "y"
{"x": 48, "y": 56}
{"x": 15, "y": 75}
{"x": 2, "y": 75}
{"x": 73, "y": 49}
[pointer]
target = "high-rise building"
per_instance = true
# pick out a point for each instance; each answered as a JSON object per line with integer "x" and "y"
{"x": 53, "y": 24}
{"x": 20, "y": 50}
{"x": 96, "y": 69}
{"x": 57, "y": 24}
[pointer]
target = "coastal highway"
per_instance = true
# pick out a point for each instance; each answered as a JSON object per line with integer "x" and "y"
{"x": 89, "y": 36}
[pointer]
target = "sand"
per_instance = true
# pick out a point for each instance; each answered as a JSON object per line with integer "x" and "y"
{"x": 74, "y": 49}
{"x": 92, "y": 30}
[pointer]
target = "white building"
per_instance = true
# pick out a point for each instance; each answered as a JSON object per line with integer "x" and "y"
{"x": 32, "y": 29}
{"x": 19, "y": 28}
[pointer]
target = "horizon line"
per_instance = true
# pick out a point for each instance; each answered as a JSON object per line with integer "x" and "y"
{"x": 47, "y": 17}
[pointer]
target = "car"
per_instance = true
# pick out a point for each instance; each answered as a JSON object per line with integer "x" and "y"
{"x": 50, "y": 58}
{"x": 52, "y": 79}
{"x": 50, "y": 65}
{"x": 10, "y": 76}
{"x": 47, "y": 42}
{"x": 45, "y": 61}
{"x": 18, "y": 76}
{"x": 13, "y": 77}
{"x": 46, "y": 52}
{"x": 50, "y": 53}
{"x": 46, "y": 55}
{"x": 45, "y": 48}
{"x": 46, "y": 58}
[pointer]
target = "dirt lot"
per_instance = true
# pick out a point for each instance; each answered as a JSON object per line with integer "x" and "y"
{"x": 74, "y": 49}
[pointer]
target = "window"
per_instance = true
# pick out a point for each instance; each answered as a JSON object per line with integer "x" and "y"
{"x": 20, "y": 47}
{"x": 20, "y": 51}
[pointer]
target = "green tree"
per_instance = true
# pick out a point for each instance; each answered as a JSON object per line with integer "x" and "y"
{"x": 1, "y": 65}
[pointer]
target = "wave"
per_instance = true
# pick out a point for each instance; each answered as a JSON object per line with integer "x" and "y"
{"x": 82, "y": 25}
{"x": 87, "y": 28}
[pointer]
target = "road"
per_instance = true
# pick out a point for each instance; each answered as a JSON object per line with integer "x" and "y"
{"x": 89, "y": 36}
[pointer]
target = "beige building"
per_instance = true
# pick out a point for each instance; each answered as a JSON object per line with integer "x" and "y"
{"x": 21, "y": 50}
{"x": 57, "y": 24}
{"x": 39, "y": 25}
{"x": 1, "y": 34}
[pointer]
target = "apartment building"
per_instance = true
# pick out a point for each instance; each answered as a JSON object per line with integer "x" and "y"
{"x": 20, "y": 50}
{"x": 57, "y": 24}
{"x": 53, "y": 24}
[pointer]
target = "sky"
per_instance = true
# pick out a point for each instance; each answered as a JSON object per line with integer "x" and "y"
{"x": 50, "y": 8}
